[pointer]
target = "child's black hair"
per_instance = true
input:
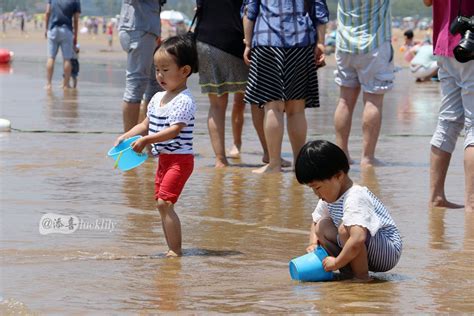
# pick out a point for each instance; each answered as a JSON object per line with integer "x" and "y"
{"x": 183, "y": 50}
{"x": 320, "y": 160}
{"x": 409, "y": 34}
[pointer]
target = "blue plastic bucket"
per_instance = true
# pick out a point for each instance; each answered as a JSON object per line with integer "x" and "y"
{"x": 127, "y": 158}
{"x": 309, "y": 267}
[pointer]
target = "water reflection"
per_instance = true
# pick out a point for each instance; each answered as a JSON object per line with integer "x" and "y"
{"x": 169, "y": 291}
{"x": 368, "y": 178}
{"x": 6, "y": 69}
{"x": 62, "y": 109}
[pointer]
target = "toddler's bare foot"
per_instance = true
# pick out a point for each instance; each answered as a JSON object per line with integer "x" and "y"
{"x": 267, "y": 169}
{"x": 172, "y": 254}
{"x": 234, "y": 152}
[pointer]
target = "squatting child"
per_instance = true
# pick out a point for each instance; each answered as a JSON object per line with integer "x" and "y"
{"x": 349, "y": 221}
{"x": 170, "y": 125}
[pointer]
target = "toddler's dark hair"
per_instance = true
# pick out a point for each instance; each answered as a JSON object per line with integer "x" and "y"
{"x": 183, "y": 49}
{"x": 320, "y": 160}
{"x": 409, "y": 34}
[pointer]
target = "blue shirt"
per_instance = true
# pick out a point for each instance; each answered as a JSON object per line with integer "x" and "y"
{"x": 141, "y": 15}
{"x": 62, "y": 12}
{"x": 285, "y": 23}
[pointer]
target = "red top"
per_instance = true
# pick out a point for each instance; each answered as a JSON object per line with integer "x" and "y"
{"x": 444, "y": 12}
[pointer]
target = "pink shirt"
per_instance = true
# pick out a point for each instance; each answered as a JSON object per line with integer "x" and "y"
{"x": 444, "y": 12}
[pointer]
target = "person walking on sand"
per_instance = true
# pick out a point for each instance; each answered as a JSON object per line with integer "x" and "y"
{"x": 62, "y": 21}
{"x": 364, "y": 57}
{"x": 170, "y": 124}
{"x": 457, "y": 103}
{"x": 284, "y": 45}
{"x": 139, "y": 34}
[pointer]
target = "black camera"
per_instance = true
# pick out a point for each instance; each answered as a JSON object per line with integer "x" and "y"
{"x": 463, "y": 25}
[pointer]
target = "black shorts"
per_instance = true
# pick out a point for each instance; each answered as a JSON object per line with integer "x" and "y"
{"x": 74, "y": 68}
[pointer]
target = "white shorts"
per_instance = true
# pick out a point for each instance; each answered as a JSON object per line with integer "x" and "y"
{"x": 373, "y": 71}
{"x": 423, "y": 71}
{"x": 457, "y": 104}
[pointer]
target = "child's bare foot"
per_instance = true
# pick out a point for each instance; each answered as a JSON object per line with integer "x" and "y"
{"x": 234, "y": 152}
{"x": 444, "y": 203}
{"x": 267, "y": 169}
{"x": 172, "y": 254}
{"x": 48, "y": 86}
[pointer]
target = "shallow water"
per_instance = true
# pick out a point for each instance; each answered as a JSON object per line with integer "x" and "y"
{"x": 239, "y": 229}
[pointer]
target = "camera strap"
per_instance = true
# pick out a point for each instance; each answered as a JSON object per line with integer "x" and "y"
{"x": 459, "y": 8}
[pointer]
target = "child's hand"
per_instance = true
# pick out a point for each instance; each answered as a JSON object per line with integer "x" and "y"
{"x": 139, "y": 144}
{"x": 120, "y": 139}
{"x": 329, "y": 264}
{"x": 311, "y": 247}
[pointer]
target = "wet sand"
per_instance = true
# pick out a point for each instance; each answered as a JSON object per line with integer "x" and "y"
{"x": 239, "y": 229}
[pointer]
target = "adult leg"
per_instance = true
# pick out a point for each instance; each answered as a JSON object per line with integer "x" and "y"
{"x": 439, "y": 163}
{"x": 171, "y": 227}
{"x": 469, "y": 178}
{"x": 258, "y": 116}
{"x": 273, "y": 127}
{"x": 450, "y": 123}
{"x": 296, "y": 125}
{"x": 343, "y": 117}
{"x": 130, "y": 112}
{"x": 216, "y": 126}
{"x": 238, "y": 109}
{"x": 371, "y": 123}
{"x": 139, "y": 47}
{"x": 67, "y": 74}
{"x": 49, "y": 72}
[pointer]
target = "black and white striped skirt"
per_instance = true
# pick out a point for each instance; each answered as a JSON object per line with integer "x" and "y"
{"x": 282, "y": 74}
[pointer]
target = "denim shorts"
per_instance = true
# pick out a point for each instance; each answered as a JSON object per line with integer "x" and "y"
{"x": 457, "y": 104}
{"x": 373, "y": 71}
{"x": 140, "y": 78}
{"x": 60, "y": 36}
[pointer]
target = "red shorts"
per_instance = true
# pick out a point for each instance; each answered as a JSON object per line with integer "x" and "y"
{"x": 171, "y": 176}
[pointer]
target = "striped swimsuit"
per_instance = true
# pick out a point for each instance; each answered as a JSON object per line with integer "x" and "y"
{"x": 359, "y": 206}
{"x": 179, "y": 110}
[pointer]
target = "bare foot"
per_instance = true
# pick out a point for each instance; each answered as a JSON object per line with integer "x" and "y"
{"x": 370, "y": 162}
{"x": 234, "y": 152}
{"x": 284, "y": 163}
{"x": 444, "y": 203}
{"x": 267, "y": 169}
{"x": 221, "y": 163}
{"x": 66, "y": 87}
{"x": 172, "y": 254}
{"x": 48, "y": 86}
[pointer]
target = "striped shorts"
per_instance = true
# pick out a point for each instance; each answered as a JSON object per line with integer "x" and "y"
{"x": 282, "y": 74}
{"x": 383, "y": 250}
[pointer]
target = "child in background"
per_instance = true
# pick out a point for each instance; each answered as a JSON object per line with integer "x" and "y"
{"x": 110, "y": 34}
{"x": 170, "y": 125}
{"x": 75, "y": 66}
{"x": 349, "y": 221}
